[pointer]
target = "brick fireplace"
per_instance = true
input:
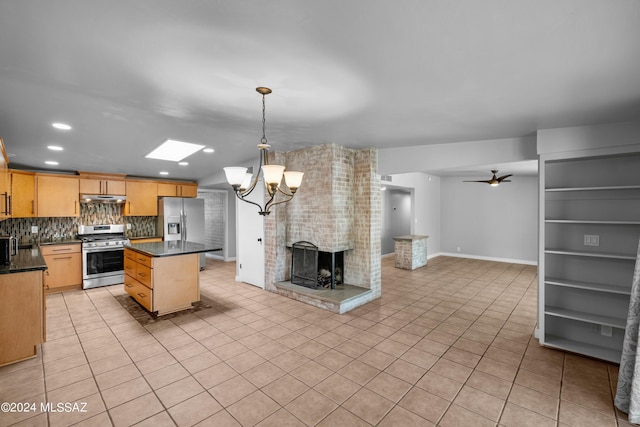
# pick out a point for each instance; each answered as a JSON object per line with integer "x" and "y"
{"x": 316, "y": 269}
{"x": 337, "y": 208}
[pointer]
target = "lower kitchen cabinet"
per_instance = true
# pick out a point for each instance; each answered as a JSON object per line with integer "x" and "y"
{"x": 162, "y": 284}
{"x": 21, "y": 315}
{"x": 64, "y": 267}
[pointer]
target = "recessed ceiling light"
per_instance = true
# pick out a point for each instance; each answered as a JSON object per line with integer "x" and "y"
{"x": 174, "y": 150}
{"x": 164, "y": 173}
{"x": 208, "y": 150}
{"x": 55, "y": 147}
{"x": 184, "y": 163}
{"x": 61, "y": 126}
{"x": 51, "y": 162}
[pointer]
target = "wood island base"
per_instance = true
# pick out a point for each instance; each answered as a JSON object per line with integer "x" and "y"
{"x": 162, "y": 284}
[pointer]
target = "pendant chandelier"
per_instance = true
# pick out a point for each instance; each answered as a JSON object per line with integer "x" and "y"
{"x": 243, "y": 182}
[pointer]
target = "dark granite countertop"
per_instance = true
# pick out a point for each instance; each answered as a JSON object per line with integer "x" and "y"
{"x": 171, "y": 248}
{"x": 26, "y": 260}
{"x": 59, "y": 241}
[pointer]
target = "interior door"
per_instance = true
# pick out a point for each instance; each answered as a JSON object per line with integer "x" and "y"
{"x": 250, "y": 234}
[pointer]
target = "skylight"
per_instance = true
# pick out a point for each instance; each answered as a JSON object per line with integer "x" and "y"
{"x": 174, "y": 151}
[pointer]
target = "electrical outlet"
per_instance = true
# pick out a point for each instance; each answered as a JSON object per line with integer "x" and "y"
{"x": 34, "y": 229}
{"x": 606, "y": 331}
{"x": 128, "y": 226}
{"x": 458, "y": 249}
{"x": 591, "y": 240}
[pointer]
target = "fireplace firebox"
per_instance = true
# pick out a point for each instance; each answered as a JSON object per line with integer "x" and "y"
{"x": 315, "y": 269}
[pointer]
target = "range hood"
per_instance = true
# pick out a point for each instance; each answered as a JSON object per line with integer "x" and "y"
{"x": 100, "y": 198}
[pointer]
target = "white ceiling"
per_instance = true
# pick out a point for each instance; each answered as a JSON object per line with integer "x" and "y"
{"x": 128, "y": 75}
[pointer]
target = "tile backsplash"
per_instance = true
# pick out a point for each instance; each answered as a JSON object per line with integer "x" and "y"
{"x": 67, "y": 227}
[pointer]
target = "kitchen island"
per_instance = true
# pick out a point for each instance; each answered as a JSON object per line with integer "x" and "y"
{"x": 22, "y": 319}
{"x": 164, "y": 277}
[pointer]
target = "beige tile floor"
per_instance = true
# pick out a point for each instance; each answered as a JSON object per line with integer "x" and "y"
{"x": 449, "y": 344}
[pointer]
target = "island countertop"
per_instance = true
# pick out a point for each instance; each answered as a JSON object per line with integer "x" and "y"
{"x": 25, "y": 260}
{"x": 170, "y": 248}
{"x": 409, "y": 237}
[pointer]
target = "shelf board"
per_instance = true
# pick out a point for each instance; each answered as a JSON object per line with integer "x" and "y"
{"x": 603, "y": 353}
{"x": 598, "y": 319}
{"x": 611, "y": 255}
{"x": 584, "y": 221}
{"x": 606, "y": 188}
{"x": 598, "y": 287}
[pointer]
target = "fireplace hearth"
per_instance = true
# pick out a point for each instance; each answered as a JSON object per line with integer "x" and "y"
{"x": 316, "y": 269}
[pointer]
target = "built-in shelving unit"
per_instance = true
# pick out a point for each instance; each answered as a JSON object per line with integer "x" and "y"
{"x": 590, "y": 227}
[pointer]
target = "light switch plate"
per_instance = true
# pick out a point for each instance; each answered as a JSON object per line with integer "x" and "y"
{"x": 34, "y": 229}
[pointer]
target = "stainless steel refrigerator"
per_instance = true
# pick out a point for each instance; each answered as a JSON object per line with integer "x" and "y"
{"x": 182, "y": 219}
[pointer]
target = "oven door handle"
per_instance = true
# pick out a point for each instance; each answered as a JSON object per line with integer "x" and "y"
{"x": 103, "y": 249}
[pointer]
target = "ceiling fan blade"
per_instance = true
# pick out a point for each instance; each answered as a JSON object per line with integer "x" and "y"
{"x": 503, "y": 177}
{"x": 506, "y": 180}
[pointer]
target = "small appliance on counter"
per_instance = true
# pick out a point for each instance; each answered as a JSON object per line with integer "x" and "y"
{"x": 8, "y": 248}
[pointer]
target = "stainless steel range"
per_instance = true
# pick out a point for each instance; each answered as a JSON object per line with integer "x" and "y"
{"x": 102, "y": 254}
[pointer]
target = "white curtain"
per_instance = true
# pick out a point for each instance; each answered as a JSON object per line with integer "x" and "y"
{"x": 628, "y": 391}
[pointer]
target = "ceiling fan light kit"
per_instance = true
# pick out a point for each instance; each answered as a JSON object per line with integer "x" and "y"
{"x": 494, "y": 181}
{"x": 243, "y": 183}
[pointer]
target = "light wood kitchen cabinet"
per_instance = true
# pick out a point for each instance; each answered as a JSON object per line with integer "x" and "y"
{"x": 171, "y": 189}
{"x": 21, "y": 315}
{"x": 23, "y": 194}
{"x": 64, "y": 267}
{"x": 162, "y": 284}
{"x": 142, "y": 198}
{"x": 57, "y": 195}
{"x": 5, "y": 187}
{"x": 102, "y": 184}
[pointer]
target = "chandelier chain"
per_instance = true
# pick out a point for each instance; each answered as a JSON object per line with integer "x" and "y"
{"x": 264, "y": 138}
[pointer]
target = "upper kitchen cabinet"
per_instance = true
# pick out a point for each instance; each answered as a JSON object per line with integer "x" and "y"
{"x": 5, "y": 195}
{"x": 173, "y": 189}
{"x": 57, "y": 195}
{"x": 142, "y": 198}
{"x": 102, "y": 184}
{"x": 23, "y": 194}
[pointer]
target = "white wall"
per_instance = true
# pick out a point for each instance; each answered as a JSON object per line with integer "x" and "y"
{"x": 437, "y": 157}
{"x": 397, "y": 212}
{"x": 426, "y": 206}
{"x": 498, "y": 223}
{"x": 622, "y": 136}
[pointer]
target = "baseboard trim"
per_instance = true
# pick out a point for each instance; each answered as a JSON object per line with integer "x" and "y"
{"x": 486, "y": 258}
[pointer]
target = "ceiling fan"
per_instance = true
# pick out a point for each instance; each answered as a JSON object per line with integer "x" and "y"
{"x": 495, "y": 181}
